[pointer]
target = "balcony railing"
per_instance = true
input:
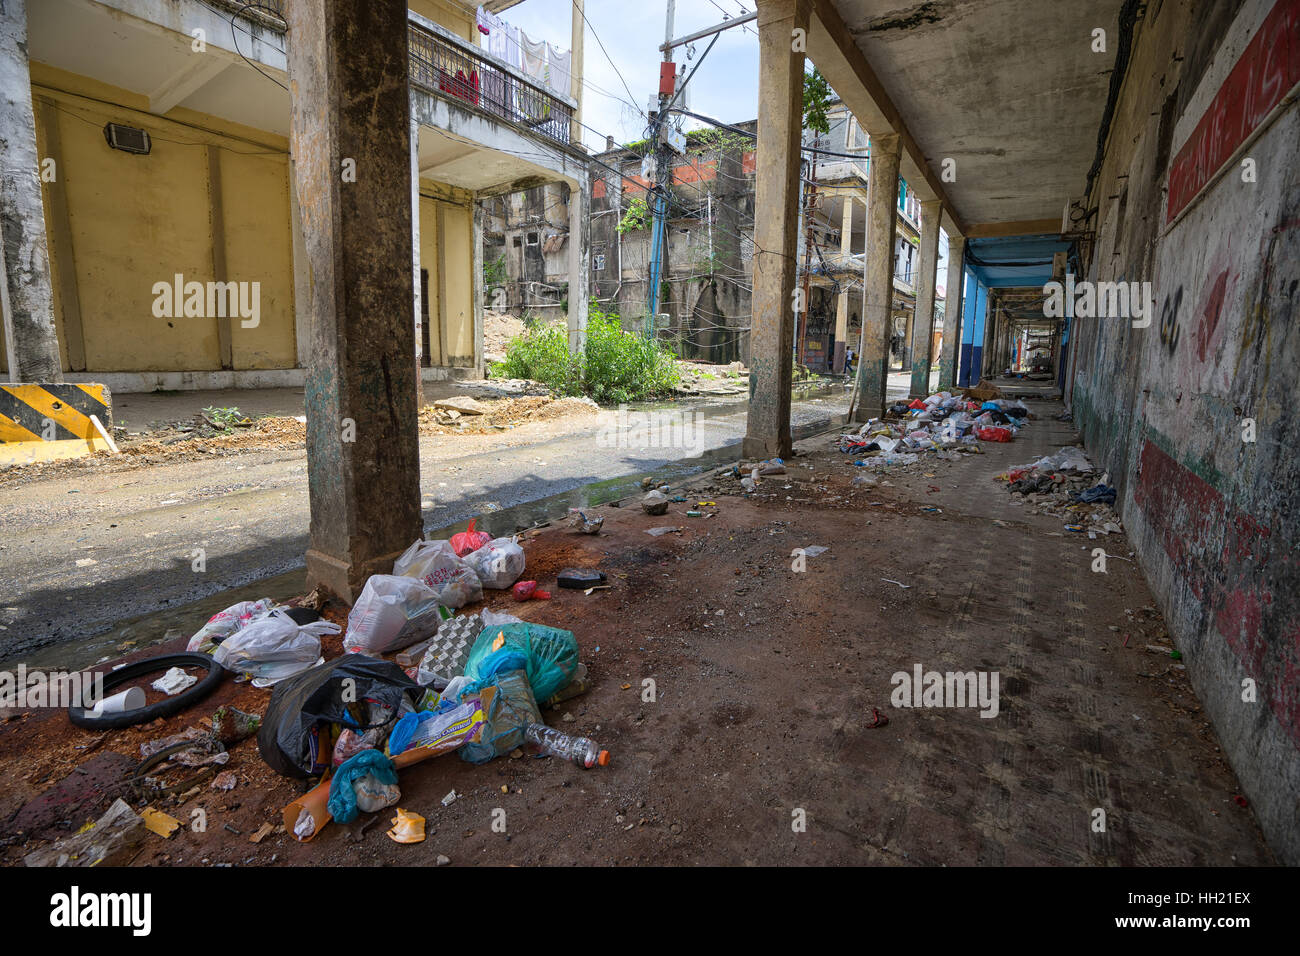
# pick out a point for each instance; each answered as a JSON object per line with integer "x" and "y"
{"x": 448, "y": 66}
{"x": 457, "y": 71}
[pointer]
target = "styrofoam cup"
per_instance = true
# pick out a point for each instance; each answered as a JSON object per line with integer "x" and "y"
{"x": 130, "y": 699}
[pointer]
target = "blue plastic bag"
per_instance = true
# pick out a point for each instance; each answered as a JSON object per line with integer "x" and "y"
{"x": 343, "y": 799}
{"x": 512, "y": 709}
{"x": 551, "y": 656}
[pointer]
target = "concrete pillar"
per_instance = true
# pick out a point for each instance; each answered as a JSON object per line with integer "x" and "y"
{"x": 348, "y": 79}
{"x": 577, "y": 34}
{"x": 952, "y": 313}
{"x": 989, "y": 367}
{"x": 780, "y": 76}
{"x": 842, "y": 305}
{"x": 26, "y": 291}
{"x": 579, "y": 267}
{"x": 923, "y": 326}
{"x": 877, "y": 322}
{"x": 478, "y": 291}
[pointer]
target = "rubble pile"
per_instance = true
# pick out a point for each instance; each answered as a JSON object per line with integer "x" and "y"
{"x": 1066, "y": 485}
{"x": 942, "y": 424}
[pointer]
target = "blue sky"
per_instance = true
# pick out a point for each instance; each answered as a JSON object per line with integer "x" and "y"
{"x": 726, "y": 87}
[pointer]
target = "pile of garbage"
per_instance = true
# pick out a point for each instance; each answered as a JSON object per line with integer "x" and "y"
{"x": 943, "y": 423}
{"x": 1066, "y": 485}
{"x": 415, "y": 680}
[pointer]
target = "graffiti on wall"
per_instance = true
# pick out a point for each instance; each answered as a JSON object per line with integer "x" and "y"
{"x": 1228, "y": 558}
{"x": 1265, "y": 73}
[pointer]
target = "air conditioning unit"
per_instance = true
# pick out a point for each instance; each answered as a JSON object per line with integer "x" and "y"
{"x": 127, "y": 138}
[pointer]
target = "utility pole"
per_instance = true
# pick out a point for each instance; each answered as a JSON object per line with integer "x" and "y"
{"x": 663, "y": 173}
{"x": 810, "y": 202}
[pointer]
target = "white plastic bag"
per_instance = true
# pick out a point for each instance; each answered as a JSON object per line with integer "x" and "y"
{"x": 435, "y": 563}
{"x": 273, "y": 647}
{"x": 390, "y": 610}
{"x": 498, "y": 563}
{"x": 224, "y": 623}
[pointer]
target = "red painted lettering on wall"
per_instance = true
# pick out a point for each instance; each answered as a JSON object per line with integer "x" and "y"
{"x": 1258, "y": 81}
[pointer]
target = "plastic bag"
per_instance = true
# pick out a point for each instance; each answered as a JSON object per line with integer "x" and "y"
{"x": 469, "y": 540}
{"x": 993, "y": 434}
{"x": 224, "y": 623}
{"x": 436, "y": 564}
{"x": 274, "y": 647}
{"x": 453, "y": 725}
{"x": 343, "y": 801}
{"x": 498, "y": 563}
{"x": 512, "y": 709}
{"x": 393, "y": 611}
{"x": 289, "y": 739}
{"x": 552, "y": 655}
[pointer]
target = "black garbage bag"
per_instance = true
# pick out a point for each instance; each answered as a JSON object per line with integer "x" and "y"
{"x": 300, "y": 706}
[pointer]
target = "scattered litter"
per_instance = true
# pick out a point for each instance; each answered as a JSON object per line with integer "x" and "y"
{"x": 174, "y": 681}
{"x": 578, "y": 521}
{"x": 158, "y": 822}
{"x": 899, "y": 583}
{"x": 449, "y": 799}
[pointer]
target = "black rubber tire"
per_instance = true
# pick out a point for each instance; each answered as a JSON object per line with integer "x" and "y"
{"x": 80, "y": 717}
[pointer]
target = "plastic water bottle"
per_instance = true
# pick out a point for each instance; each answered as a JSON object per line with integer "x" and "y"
{"x": 580, "y": 750}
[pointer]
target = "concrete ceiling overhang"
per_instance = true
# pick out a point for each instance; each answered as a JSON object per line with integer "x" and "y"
{"x": 1013, "y": 262}
{"x": 134, "y": 54}
{"x": 1012, "y": 91}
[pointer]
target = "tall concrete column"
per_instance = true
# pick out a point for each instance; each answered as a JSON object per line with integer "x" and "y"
{"x": 26, "y": 290}
{"x": 923, "y": 324}
{"x": 988, "y": 365}
{"x": 348, "y": 64}
{"x": 478, "y": 291}
{"x": 780, "y": 77}
{"x": 579, "y": 267}
{"x": 842, "y": 305}
{"x": 577, "y": 35}
{"x": 952, "y": 313}
{"x": 877, "y": 322}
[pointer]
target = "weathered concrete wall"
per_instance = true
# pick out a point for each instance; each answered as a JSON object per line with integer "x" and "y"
{"x": 1211, "y": 86}
{"x": 211, "y": 195}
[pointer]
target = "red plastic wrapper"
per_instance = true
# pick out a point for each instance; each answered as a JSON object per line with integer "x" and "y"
{"x": 993, "y": 434}
{"x": 469, "y": 540}
{"x": 916, "y": 403}
{"x": 527, "y": 591}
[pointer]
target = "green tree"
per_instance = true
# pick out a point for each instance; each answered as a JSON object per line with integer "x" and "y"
{"x": 817, "y": 96}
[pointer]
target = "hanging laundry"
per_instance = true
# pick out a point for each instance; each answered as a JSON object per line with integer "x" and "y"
{"x": 484, "y": 24}
{"x": 560, "y": 64}
{"x": 534, "y": 54}
{"x": 514, "y": 45}
{"x": 498, "y": 43}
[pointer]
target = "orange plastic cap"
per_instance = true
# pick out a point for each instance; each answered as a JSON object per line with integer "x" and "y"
{"x": 603, "y": 759}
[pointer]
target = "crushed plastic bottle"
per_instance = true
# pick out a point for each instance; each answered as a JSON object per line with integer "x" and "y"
{"x": 580, "y": 750}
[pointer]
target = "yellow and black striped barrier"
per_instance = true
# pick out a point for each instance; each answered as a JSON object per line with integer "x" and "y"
{"x": 41, "y": 422}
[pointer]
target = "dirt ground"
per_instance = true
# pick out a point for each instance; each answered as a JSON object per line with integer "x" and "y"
{"x": 767, "y": 683}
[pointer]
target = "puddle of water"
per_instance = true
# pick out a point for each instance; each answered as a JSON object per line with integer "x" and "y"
{"x": 159, "y": 626}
